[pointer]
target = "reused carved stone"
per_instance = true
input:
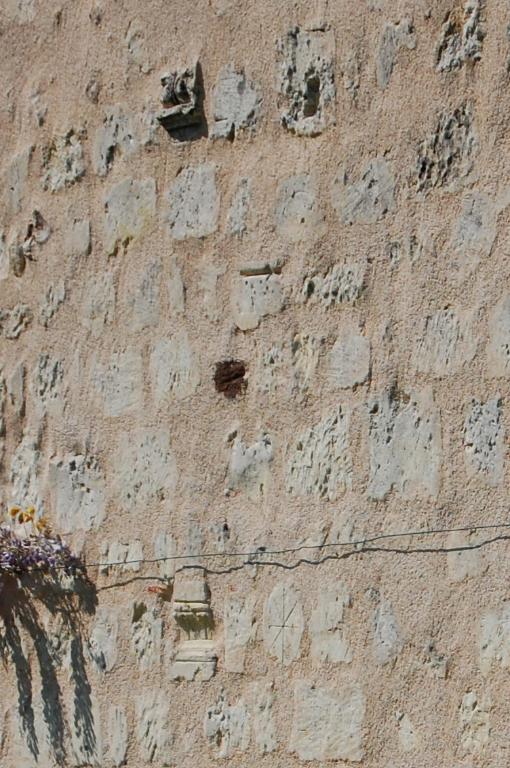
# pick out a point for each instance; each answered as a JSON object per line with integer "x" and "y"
{"x": 182, "y": 100}
{"x": 195, "y": 658}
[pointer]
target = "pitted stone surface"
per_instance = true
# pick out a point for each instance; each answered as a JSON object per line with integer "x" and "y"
{"x": 226, "y": 727}
{"x": 461, "y": 38}
{"x": 349, "y": 359}
{"x": 448, "y": 341}
{"x": 193, "y": 203}
{"x": 63, "y": 162}
{"x": 283, "y": 624}
{"x": 367, "y": 200}
{"x": 146, "y": 469}
{"x": 393, "y": 37}
{"x": 250, "y": 466}
{"x": 341, "y": 284}
{"x": 153, "y": 731}
{"x": 474, "y": 722}
{"x": 484, "y": 438}
{"x": 79, "y": 492}
{"x": 237, "y": 104}
{"x": 115, "y": 137}
{"x": 494, "y": 638}
{"x": 103, "y": 640}
{"x": 146, "y": 635}
{"x": 118, "y": 736}
{"x": 447, "y": 156}
{"x": 239, "y": 208}
{"x": 298, "y": 214}
{"x": 305, "y": 353}
{"x": 119, "y": 383}
{"x": 320, "y": 463}
{"x": 129, "y": 207}
{"x": 173, "y": 368}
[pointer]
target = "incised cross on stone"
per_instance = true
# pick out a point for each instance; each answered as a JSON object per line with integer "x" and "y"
{"x": 284, "y": 625}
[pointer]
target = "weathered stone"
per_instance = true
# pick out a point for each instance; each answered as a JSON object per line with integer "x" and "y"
{"x": 351, "y": 74}
{"x": 15, "y": 180}
{"x": 474, "y": 723}
{"x": 239, "y": 624}
{"x": 47, "y": 382}
{"x": 77, "y": 240}
{"x": 249, "y": 467}
{"x": 103, "y": 640}
{"x": 283, "y": 624}
{"x": 129, "y": 207}
{"x": 264, "y": 730}
{"x": 306, "y": 80}
{"x": 173, "y": 368}
{"x": 448, "y": 341}
{"x": 137, "y": 47}
{"x": 23, "y": 11}
{"x": 327, "y": 625}
{"x": 327, "y": 726}
{"x": 465, "y": 563}
{"x": 145, "y": 301}
{"x": 305, "y": 352}
{"x": 320, "y": 463}
{"x": 182, "y": 113}
{"x": 474, "y": 233}
{"x": 63, "y": 161}
{"x": 115, "y": 137}
{"x": 193, "y": 203}
{"x": 484, "y": 441}
{"x": 152, "y": 726}
{"x": 227, "y": 727}
{"x": 53, "y": 300}
{"x": 196, "y": 657}
{"x": 256, "y": 293}
{"x": 447, "y": 156}
{"x": 119, "y": 555}
{"x": 16, "y": 390}
{"x": 298, "y": 214}
{"x": 387, "y": 640}
{"x": 407, "y": 735}
{"x": 118, "y": 736}
{"x": 498, "y": 349}
{"x": 25, "y": 472}
{"x": 209, "y": 275}
{"x": 405, "y": 445}
{"x": 165, "y": 548}
{"x": 367, "y": 200}
{"x": 461, "y": 38}
{"x": 14, "y": 321}
{"x": 86, "y": 732}
{"x": 4, "y": 257}
{"x": 98, "y": 305}
{"x": 495, "y": 638}
{"x": 119, "y": 383}
{"x": 146, "y": 635}
{"x": 237, "y": 103}
{"x": 394, "y": 37}
{"x": 349, "y": 359}
{"x": 78, "y": 484}
{"x": 176, "y": 289}
{"x": 238, "y": 211}
{"x": 270, "y": 376}
{"x": 146, "y": 469}
{"x": 341, "y": 284}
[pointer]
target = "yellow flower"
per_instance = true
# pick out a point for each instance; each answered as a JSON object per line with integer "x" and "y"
{"x": 30, "y": 511}
{"x": 14, "y": 511}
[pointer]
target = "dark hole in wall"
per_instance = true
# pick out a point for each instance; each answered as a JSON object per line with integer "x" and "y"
{"x": 229, "y": 377}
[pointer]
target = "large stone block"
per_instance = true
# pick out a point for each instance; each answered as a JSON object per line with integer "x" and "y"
{"x": 368, "y": 199}
{"x": 327, "y": 625}
{"x": 484, "y": 441}
{"x": 349, "y": 359}
{"x": 129, "y": 207}
{"x": 393, "y": 37}
{"x": 448, "y": 341}
{"x": 298, "y": 214}
{"x": 461, "y": 38}
{"x": 115, "y": 137}
{"x": 63, "y": 161}
{"x": 237, "y": 104}
{"x": 193, "y": 203}
{"x": 227, "y": 727}
{"x": 283, "y": 624}
{"x": 173, "y": 368}
{"x": 250, "y": 466}
{"x": 119, "y": 383}
{"x": 446, "y": 158}
{"x": 78, "y": 484}
{"x": 146, "y": 469}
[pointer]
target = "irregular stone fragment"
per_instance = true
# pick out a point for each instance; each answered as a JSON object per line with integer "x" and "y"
{"x": 152, "y": 726}
{"x": 47, "y": 381}
{"x": 283, "y": 624}
{"x": 98, "y": 304}
{"x": 118, "y": 736}
{"x": 78, "y": 485}
{"x": 498, "y": 350}
{"x": 484, "y": 441}
{"x": 137, "y": 49}
{"x": 227, "y": 727}
{"x": 495, "y": 638}
{"x": 238, "y": 211}
{"x": 14, "y": 321}
{"x": 474, "y": 723}
{"x": 16, "y": 178}
{"x": 165, "y": 550}
{"x": 447, "y": 342}
{"x": 16, "y": 389}
{"x": 320, "y": 463}
{"x": 306, "y": 80}
{"x": 342, "y": 283}
{"x": 257, "y": 293}
{"x": 239, "y": 626}
{"x": 23, "y": 11}
{"x": 305, "y": 351}
{"x": 103, "y": 640}
{"x": 367, "y": 200}
{"x": 264, "y": 730}
{"x": 25, "y": 472}
{"x": 270, "y": 374}
{"x": 327, "y": 726}
{"x": 146, "y": 469}
{"x": 237, "y": 103}
{"x": 298, "y": 213}
{"x": 129, "y": 207}
{"x": 182, "y": 113}
{"x": 327, "y": 629}
{"x": 145, "y": 301}
{"x": 349, "y": 359}
{"x": 461, "y": 38}
{"x": 176, "y": 289}
{"x": 407, "y": 735}
{"x": 387, "y": 641}
{"x": 465, "y": 563}
{"x": 351, "y": 74}
{"x": 447, "y": 156}
{"x": 4, "y": 257}
{"x": 77, "y": 241}
{"x": 115, "y": 137}
{"x": 38, "y": 233}
{"x": 173, "y": 368}
{"x": 394, "y": 36}
{"x": 405, "y": 445}
{"x": 193, "y": 203}
{"x": 249, "y": 467}
{"x": 53, "y": 300}
{"x": 209, "y": 276}
{"x": 146, "y": 635}
{"x": 63, "y": 161}
{"x": 474, "y": 234}
{"x": 120, "y": 383}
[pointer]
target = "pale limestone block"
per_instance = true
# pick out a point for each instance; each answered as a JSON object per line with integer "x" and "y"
{"x": 239, "y": 208}
{"x": 145, "y": 299}
{"x": 53, "y": 300}
{"x": 447, "y": 342}
{"x": 193, "y": 203}
{"x": 498, "y": 350}
{"x": 327, "y": 726}
{"x": 237, "y": 104}
{"x": 387, "y": 640}
{"x": 305, "y": 352}
{"x": 152, "y": 726}
{"x": 137, "y": 48}
{"x": 173, "y": 368}
{"x": 103, "y": 639}
{"x": 176, "y": 290}
{"x": 63, "y": 161}
{"x": 319, "y": 462}
{"x": 298, "y": 214}
{"x": 146, "y": 469}
{"x": 116, "y": 137}
{"x": 209, "y": 276}
{"x": 407, "y": 735}
{"x": 349, "y": 359}
{"x": 474, "y": 234}
{"x": 340, "y": 284}
{"x": 446, "y": 157}
{"x": 327, "y": 625}
{"x": 263, "y": 725}
{"x": 165, "y": 547}
{"x": 461, "y": 39}
{"x": 393, "y": 37}
{"x": 467, "y": 564}
{"x": 283, "y": 624}
{"x": 474, "y": 723}
{"x": 254, "y": 297}
{"x": 118, "y": 736}
{"x": 367, "y": 200}
{"x": 47, "y": 384}
{"x": 495, "y": 638}
{"x": 239, "y": 627}
{"x": 25, "y": 471}
{"x": 129, "y": 208}
{"x": 15, "y": 180}
{"x": 78, "y": 485}
{"x": 77, "y": 239}
{"x": 146, "y": 636}
{"x": 227, "y": 727}
{"x": 270, "y": 375}
{"x": 86, "y": 733}
{"x": 250, "y": 466}
{"x": 98, "y": 303}
{"x": 119, "y": 383}
{"x": 16, "y": 389}
{"x": 484, "y": 441}
{"x": 13, "y": 322}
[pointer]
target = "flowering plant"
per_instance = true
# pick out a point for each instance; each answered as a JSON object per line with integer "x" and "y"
{"x": 33, "y": 547}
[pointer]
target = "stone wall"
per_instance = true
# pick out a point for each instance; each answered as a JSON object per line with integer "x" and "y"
{"x": 269, "y": 312}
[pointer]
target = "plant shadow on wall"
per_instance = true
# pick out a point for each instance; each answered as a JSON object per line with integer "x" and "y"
{"x": 41, "y": 580}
